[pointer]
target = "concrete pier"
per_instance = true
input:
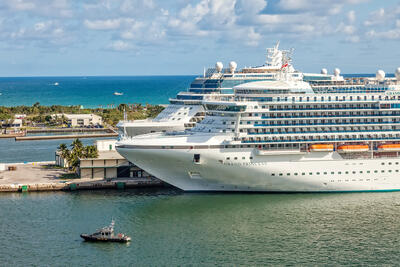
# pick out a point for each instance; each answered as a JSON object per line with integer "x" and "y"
{"x": 72, "y": 136}
{"x": 42, "y": 176}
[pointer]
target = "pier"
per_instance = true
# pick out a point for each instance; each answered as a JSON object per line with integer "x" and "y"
{"x": 69, "y": 136}
{"x": 42, "y": 176}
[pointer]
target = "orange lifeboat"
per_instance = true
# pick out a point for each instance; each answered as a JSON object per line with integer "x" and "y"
{"x": 353, "y": 148}
{"x": 321, "y": 147}
{"x": 389, "y": 147}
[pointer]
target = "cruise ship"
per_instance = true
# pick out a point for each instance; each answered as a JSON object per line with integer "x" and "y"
{"x": 284, "y": 135}
{"x": 185, "y": 110}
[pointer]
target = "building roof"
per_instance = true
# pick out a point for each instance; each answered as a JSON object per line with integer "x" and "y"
{"x": 105, "y": 155}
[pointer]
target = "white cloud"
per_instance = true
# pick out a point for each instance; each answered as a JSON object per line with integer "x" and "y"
{"x": 351, "y": 16}
{"x": 108, "y": 24}
{"x": 119, "y": 46}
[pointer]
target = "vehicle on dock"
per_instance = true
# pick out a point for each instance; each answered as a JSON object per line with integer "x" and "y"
{"x": 106, "y": 234}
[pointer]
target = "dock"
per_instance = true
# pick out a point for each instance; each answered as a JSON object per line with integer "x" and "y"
{"x": 40, "y": 176}
{"x": 69, "y": 136}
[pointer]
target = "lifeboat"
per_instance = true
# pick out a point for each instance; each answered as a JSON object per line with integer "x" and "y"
{"x": 352, "y": 148}
{"x": 389, "y": 147}
{"x": 321, "y": 147}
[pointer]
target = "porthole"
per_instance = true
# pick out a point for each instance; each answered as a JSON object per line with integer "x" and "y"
{"x": 354, "y": 172}
{"x": 382, "y": 171}
{"x": 280, "y": 174}
{"x": 332, "y": 172}
{"x": 310, "y": 173}
{"x": 295, "y": 173}
{"x": 303, "y": 173}
{"x": 389, "y": 170}
{"x": 272, "y": 174}
{"x": 375, "y": 171}
{"x": 368, "y": 171}
{"x": 287, "y": 174}
{"x": 325, "y": 173}
{"x": 346, "y": 172}
{"x": 361, "y": 171}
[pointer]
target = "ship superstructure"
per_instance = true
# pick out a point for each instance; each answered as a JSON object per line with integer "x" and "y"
{"x": 284, "y": 135}
{"x": 185, "y": 110}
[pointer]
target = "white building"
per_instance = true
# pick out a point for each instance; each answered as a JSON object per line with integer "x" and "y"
{"x": 81, "y": 120}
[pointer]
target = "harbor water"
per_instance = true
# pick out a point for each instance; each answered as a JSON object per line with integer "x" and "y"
{"x": 91, "y": 92}
{"x": 171, "y": 228}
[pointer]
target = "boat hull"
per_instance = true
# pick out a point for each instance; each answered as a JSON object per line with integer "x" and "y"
{"x": 98, "y": 239}
{"x": 311, "y": 172}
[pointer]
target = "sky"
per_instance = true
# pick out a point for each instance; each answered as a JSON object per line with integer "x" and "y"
{"x": 181, "y": 37}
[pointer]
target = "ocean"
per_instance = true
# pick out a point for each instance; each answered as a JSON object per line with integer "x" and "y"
{"x": 91, "y": 92}
{"x": 171, "y": 228}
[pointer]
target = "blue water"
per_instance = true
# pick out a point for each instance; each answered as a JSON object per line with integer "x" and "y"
{"x": 91, "y": 91}
{"x": 170, "y": 228}
{"x": 12, "y": 152}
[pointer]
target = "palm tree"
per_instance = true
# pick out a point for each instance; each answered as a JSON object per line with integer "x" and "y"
{"x": 90, "y": 152}
{"x": 77, "y": 145}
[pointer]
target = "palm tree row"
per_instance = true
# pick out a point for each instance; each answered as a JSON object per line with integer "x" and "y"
{"x": 78, "y": 150}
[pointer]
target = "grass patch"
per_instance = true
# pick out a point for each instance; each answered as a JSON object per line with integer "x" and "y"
{"x": 52, "y": 166}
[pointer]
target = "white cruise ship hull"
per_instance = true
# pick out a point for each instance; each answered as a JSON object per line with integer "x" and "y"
{"x": 302, "y": 172}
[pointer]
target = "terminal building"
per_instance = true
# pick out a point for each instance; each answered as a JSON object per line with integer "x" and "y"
{"x": 109, "y": 163}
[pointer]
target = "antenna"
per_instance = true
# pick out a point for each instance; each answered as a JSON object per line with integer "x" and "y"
{"x": 125, "y": 121}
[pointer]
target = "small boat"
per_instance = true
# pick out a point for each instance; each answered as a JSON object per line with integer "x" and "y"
{"x": 389, "y": 147}
{"x": 106, "y": 234}
{"x": 118, "y": 93}
{"x": 352, "y": 148}
{"x": 56, "y": 84}
{"x": 321, "y": 147}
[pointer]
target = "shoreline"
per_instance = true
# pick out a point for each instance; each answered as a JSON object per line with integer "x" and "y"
{"x": 40, "y": 176}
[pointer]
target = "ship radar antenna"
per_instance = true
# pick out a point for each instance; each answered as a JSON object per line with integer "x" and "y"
{"x": 125, "y": 121}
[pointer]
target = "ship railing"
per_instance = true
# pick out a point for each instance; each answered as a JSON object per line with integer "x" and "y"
{"x": 320, "y": 140}
{"x": 328, "y": 116}
{"x": 325, "y": 124}
{"x": 323, "y": 132}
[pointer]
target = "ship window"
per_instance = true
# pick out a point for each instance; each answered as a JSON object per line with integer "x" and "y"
{"x": 339, "y": 172}
{"x": 303, "y": 173}
{"x": 383, "y": 163}
{"x": 280, "y": 174}
{"x": 382, "y": 171}
{"x": 243, "y": 157}
{"x": 272, "y": 174}
{"x": 346, "y": 172}
{"x": 389, "y": 170}
{"x": 196, "y": 158}
{"x": 228, "y": 158}
{"x": 317, "y": 173}
{"x": 354, "y": 172}
{"x": 375, "y": 171}
{"x": 332, "y": 172}
{"x": 361, "y": 171}
{"x": 288, "y": 174}
{"x": 310, "y": 173}
{"x": 295, "y": 173}
{"x": 397, "y": 163}
{"x": 390, "y": 163}
{"x": 251, "y": 157}
{"x": 397, "y": 170}
{"x": 235, "y": 158}
{"x": 368, "y": 171}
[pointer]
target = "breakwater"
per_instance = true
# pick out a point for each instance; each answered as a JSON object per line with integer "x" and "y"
{"x": 72, "y": 136}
